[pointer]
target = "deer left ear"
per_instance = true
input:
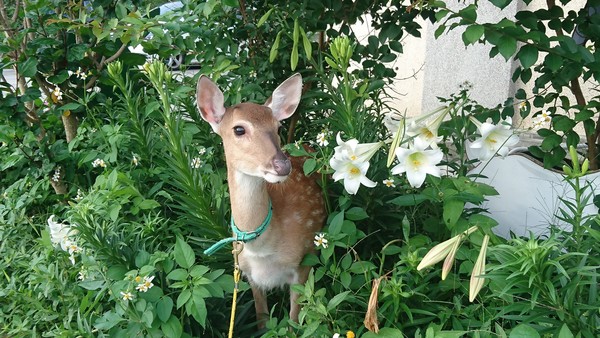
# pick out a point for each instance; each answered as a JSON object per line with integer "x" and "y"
{"x": 286, "y": 97}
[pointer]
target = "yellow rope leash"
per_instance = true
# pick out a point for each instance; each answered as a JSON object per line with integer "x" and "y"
{"x": 237, "y": 248}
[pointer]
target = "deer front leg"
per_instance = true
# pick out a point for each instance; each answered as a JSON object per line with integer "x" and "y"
{"x": 294, "y": 306}
{"x": 260, "y": 304}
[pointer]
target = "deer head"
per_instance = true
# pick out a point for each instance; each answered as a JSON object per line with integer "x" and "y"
{"x": 249, "y": 131}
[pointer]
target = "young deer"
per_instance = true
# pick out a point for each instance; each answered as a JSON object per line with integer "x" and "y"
{"x": 260, "y": 174}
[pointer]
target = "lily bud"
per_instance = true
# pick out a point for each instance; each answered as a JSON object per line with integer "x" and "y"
{"x": 585, "y": 166}
{"x": 477, "y": 280}
{"x": 438, "y": 252}
{"x": 449, "y": 262}
{"x": 574, "y": 159}
{"x": 567, "y": 170}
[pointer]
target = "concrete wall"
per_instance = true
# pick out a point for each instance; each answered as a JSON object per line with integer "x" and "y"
{"x": 431, "y": 68}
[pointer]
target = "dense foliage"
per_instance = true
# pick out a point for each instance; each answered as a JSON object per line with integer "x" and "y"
{"x": 112, "y": 185}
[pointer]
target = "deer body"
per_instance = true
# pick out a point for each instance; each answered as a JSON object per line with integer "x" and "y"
{"x": 258, "y": 174}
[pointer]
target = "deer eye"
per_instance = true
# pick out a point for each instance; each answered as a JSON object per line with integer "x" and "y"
{"x": 239, "y": 131}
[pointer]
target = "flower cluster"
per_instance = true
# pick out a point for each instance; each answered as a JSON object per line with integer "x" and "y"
{"x": 56, "y": 176}
{"x": 447, "y": 251}
{"x": 145, "y": 284}
{"x": 196, "y": 163}
{"x": 542, "y": 120}
{"x": 98, "y": 163}
{"x": 60, "y": 235}
{"x": 351, "y": 162}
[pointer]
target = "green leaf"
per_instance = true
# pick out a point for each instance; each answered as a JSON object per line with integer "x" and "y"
{"x": 356, "y": 214}
{"x": 500, "y": 3}
{"x": 309, "y": 166}
{"x": 184, "y": 255}
{"x": 553, "y": 62}
{"x": 336, "y": 223}
{"x": 108, "y": 321}
{"x": 76, "y": 52}
{"x": 69, "y": 106}
{"x": 231, "y": 3}
{"x": 563, "y": 123}
{"x": 198, "y": 309}
{"x": 164, "y": 306}
{"x": 28, "y": 68}
{"x": 384, "y": 332}
{"x": 523, "y": 331}
{"x": 409, "y": 200}
{"x": 178, "y": 274}
{"x": 507, "y": 46}
{"x": 172, "y": 328}
{"x": 183, "y": 298}
{"x": 452, "y": 211}
{"x": 472, "y": 34}
{"x": 528, "y": 56}
{"x": 337, "y": 300}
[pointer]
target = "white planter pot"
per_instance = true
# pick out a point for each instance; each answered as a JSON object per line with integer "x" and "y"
{"x": 529, "y": 195}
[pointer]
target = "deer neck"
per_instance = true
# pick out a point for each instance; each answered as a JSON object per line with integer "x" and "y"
{"x": 249, "y": 200}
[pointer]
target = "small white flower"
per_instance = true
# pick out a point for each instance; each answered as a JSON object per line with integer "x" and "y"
{"x": 56, "y": 176}
{"x": 389, "y": 183}
{"x": 135, "y": 160}
{"x": 79, "y": 196}
{"x": 523, "y": 105}
{"x": 320, "y": 240}
{"x": 542, "y": 121}
{"x": 466, "y": 85}
{"x": 336, "y": 335}
{"x": 81, "y": 275}
{"x": 417, "y": 162}
{"x": 202, "y": 151}
{"x": 57, "y": 93}
{"x": 196, "y": 163}
{"x": 495, "y": 139}
{"x": 98, "y": 163}
{"x": 322, "y": 139}
{"x": 126, "y": 295}
{"x": 145, "y": 285}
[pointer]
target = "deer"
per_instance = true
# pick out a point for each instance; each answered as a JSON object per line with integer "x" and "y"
{"x": 265, "y": 183}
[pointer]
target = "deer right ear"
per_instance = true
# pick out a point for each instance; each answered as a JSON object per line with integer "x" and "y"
{"x": 210, "y": 101}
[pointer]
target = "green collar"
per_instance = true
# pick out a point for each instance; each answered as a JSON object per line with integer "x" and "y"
{"x": 242, "y": 236}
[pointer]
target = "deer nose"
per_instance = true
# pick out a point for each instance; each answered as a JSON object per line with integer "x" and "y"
{"x": 282, "y": 165}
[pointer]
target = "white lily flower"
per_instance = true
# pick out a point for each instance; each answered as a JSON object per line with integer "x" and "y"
{"x": 495, "y": 139}
{"x": 354, "y": 151}
{"x": 417, "y": 162}
{"x": 426, "y": 127}
{"x": 351, "y": 162}
{"x": 59, "y": 233}
{"x": 353, "y": 173}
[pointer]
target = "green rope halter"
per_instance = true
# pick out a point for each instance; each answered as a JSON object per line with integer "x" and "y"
{"x": 242, "y": 236}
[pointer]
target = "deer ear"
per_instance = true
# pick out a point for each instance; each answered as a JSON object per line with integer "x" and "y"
{"x": 210, "y": 101}
{"x": 286, "y": 97}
